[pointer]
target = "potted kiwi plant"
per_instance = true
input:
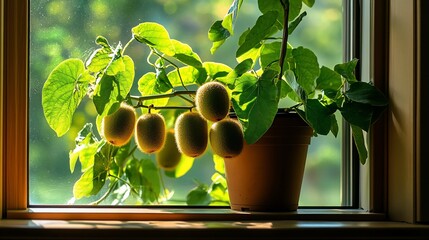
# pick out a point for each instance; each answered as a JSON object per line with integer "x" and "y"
{"x": 233, "y": 109}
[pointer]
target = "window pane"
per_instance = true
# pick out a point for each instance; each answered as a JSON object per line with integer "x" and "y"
{"x": 60, "y": 29}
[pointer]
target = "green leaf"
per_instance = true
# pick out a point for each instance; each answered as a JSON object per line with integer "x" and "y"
{"x": 198, "y": 196}
{"x": 318, "y": 116}
{"x": 239, "y": 70}
{"x": 275, "y": 5}
{"x": 328, "y": 80}
{"x": 149, "y": 84}
{"x": 215, "y": 70}
{"x": 296, "y": 22}
{"x": 85, "y": 150}
{"x": 92, "y": 180}
{"x": 182, "y": 168}
{"x": 114, "y": 89}
{"x": 185, "y": 54}
{"x": 363, "y": 92}
{"x": 99, "y": 59}
{"x": 258, "y": 32}
{"x": 154, "y": 35}
{"x": 297, "y": 93}
{"x": 309, "y": 3}
{"x": 230, "y": 18}
{"x": 347, "y": 70}
{"x": 334, "y": 125}
{"x": 219, "y": 164}
{"x": 143, "y": 177}
{"x": 307, "y": 68}
{"x": 151, "y": 185}
{"x": 358, "y": 114}
{"x": 255, "y": 103}
{"x": 62, "y": 93}
{"x": 217, "y": 34}
{"x": 102, "y": 41}
{"x": 359, "y": 140}
{"x": 103, "y": 92}
{"x": 270, "y": 55}
{"x": 189, "y": 76}
{"x": 163, "y": 84}
{"x": 223, "y": 29}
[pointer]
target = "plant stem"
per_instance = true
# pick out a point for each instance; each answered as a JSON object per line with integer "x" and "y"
{"x": 283, "y": 50}
{"x": 163, "y": 95}
{"x": 126, "y": 45}
{"x": 174, "y": 65}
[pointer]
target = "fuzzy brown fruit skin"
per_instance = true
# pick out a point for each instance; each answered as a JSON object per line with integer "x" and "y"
{"x": 150, "y": 132}
{"x": 118, "y": 127}
{"x": 169, "y": 156}
{"x": 191, "y": 132}
{"x": 226, "y": 138}
{"x": 212, "y": 101}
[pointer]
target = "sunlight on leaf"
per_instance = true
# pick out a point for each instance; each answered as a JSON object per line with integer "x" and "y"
{"x": 62, "y": 93}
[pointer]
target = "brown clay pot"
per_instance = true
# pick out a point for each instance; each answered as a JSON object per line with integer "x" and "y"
{"x": 267, "y": 175}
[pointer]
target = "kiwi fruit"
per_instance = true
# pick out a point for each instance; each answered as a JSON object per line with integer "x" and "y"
{"x": 150, "y": 132}
{"x": 118, "y": 127}
{"x": 191, "y": 132}
{"x": 212, "y": 101}
{"x": 226, "y": 138}
{"x": 169, "y": 156}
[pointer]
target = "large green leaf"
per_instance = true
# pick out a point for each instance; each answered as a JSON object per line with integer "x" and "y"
{"x": 255, "y": 103}
{"x": 154, "y": 35}
{"x": 307, "y": 68}
{"x": 258, "y": 32}
{"x": 62, "y": 93}
{"x": 366, "y": 93}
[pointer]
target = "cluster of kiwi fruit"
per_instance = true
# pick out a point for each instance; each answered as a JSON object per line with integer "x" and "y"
{"x": 151, "y": 135}
{"x": 190, "y": 135}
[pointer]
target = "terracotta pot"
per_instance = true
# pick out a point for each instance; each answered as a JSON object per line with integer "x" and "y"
{"x": 267, "y": 175}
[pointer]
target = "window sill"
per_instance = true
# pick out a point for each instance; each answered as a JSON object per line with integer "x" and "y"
{"x": 258, "y": 229}
{"x": 187, "y": 214}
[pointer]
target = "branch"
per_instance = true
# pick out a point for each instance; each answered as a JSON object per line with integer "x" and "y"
{"x": 283, "y": 51}
{"x": 162, "y": 95}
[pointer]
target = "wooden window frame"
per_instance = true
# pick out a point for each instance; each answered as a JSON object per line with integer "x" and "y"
{"x": 397, "y": 185}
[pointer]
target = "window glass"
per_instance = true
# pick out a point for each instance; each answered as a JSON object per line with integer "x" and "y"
{"x": 60, "y": 29}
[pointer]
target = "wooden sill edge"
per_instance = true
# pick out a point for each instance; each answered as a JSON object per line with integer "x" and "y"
{"x": 256, "y": 229}
{"x": 188, "y": 214}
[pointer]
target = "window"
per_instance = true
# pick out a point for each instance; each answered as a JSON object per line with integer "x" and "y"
{"x": 402, "y": 158}
{"x": 62, "y": 29}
